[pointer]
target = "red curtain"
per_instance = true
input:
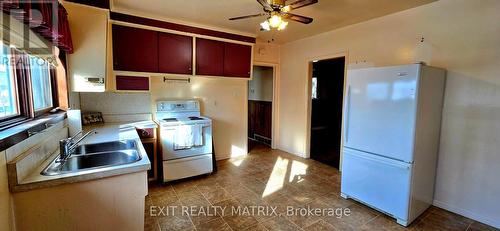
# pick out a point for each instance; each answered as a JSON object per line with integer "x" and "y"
{"x": 46, "y": 17}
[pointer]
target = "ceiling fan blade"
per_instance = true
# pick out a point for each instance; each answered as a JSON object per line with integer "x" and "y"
{"x": 265, "y": 4}
{"x": 297, "y": 18}
{"x": 302, "y": 3}
{"x": 249, "y": 16}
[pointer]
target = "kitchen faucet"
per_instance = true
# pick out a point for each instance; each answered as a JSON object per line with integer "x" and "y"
{"x": 67, "y": 146}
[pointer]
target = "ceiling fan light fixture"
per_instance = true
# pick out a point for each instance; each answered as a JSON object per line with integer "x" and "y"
{"x": 283, "y": 25}
{"x": 277, "y": 10}
{"x": 265, "y": 26}
{"x": 275, "y": 21}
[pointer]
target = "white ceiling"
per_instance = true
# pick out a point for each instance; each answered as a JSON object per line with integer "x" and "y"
{"x": 327, "y": 14}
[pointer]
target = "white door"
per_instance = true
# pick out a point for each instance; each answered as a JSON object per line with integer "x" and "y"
{"x": 380, "y": 110}
{"x": 380, "y": 182}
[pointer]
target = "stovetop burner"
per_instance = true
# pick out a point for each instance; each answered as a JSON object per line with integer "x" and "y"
{"x": 195, "y": 118}
{"x": 170, "y": 119}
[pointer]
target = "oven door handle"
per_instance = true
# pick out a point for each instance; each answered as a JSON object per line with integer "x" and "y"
{"x": 173, "y": 129}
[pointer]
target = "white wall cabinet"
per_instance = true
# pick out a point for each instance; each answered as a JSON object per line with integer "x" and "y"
{"x": 88, "y": 64}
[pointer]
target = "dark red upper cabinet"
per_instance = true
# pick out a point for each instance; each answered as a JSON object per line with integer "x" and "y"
{"x": 132, "y": 83}
{"x": 209, "y": 57}
{"x": 135, "y": 49}
{"x": 175, "y": 53}
{"x": 237, "y": 60}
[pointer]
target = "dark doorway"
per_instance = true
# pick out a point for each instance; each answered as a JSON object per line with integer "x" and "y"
{"x": 260, "y": 107}
{"x": 326, "y": 110}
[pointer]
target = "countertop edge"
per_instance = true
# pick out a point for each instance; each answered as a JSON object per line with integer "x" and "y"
{"x": 133, "y": 168}
{"x": 79, "y": 178}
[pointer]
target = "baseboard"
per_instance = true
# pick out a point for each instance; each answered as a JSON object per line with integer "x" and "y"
{"x": 467, "y": 213}
{"x": 290, "y": 151}
{"x": 217, "y": 158}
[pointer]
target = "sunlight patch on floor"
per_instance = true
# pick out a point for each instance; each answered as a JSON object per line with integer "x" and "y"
{"x": 298, "y": 171}
{"x": 238, "y": 153}
{"x": 277, "y": 177}
{"x": 237, "y": 161}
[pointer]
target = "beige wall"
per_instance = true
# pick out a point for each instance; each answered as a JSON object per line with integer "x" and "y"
{"x": 5, "y": 196}
{"x": 222, "y": 99}
{"x": 464, "y": 38}
{"x": 261, "y": 85}
{"x": 264, "y": 52}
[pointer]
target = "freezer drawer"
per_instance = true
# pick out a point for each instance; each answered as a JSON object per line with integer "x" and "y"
{"x": 377, "y": 181}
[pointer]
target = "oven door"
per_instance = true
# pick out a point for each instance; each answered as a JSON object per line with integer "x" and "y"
{"x": 167, "y": 135}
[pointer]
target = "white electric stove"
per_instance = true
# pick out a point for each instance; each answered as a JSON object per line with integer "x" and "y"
{"x": 185, "y": 139}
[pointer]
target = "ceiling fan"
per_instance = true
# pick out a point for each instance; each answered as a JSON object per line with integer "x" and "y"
{"x": 278, "y": 10}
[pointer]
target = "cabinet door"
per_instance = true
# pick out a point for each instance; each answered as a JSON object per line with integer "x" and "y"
{"x": 132, "y": 83}
{"x": 175, "y": 53}
{"x": 135, "y": 49}
{"x": 209, "y": 57}
{"x": 237, "y": 60}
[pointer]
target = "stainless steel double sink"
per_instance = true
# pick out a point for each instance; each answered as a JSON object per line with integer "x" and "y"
{"x": 94, "y": 156}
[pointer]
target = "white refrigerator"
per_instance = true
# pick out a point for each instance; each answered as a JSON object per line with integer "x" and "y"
{"x": 392, "y": 121}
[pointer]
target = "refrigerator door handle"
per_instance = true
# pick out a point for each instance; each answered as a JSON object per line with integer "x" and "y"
{"x": 348, "y": 113}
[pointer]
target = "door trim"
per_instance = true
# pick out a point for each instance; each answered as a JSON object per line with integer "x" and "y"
{"x": 275, "y": 108}
{"x": 308, "y": 110}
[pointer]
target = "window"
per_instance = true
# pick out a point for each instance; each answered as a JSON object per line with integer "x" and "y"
{"x": 40, "y": 83}
{"x": 9, "y": 105}
{"x": 27, "y": 87}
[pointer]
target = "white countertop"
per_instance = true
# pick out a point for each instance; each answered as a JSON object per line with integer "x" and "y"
{"x": 105, "y": 133}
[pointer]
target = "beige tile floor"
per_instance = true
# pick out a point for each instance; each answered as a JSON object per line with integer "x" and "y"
{"x": 274, "y": 179}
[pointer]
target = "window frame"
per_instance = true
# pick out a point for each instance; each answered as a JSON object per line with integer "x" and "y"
{"x": 53, "y": 87}
{"x": 22, "y": 94}
{"x": 53, "y": 91}
{"x": 15, "y": 84}
{"x": 22, "y": 75}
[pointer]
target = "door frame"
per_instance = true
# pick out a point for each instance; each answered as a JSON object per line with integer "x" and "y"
{"x": 275, "y": 108}
{"x": 310, "y": 62}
